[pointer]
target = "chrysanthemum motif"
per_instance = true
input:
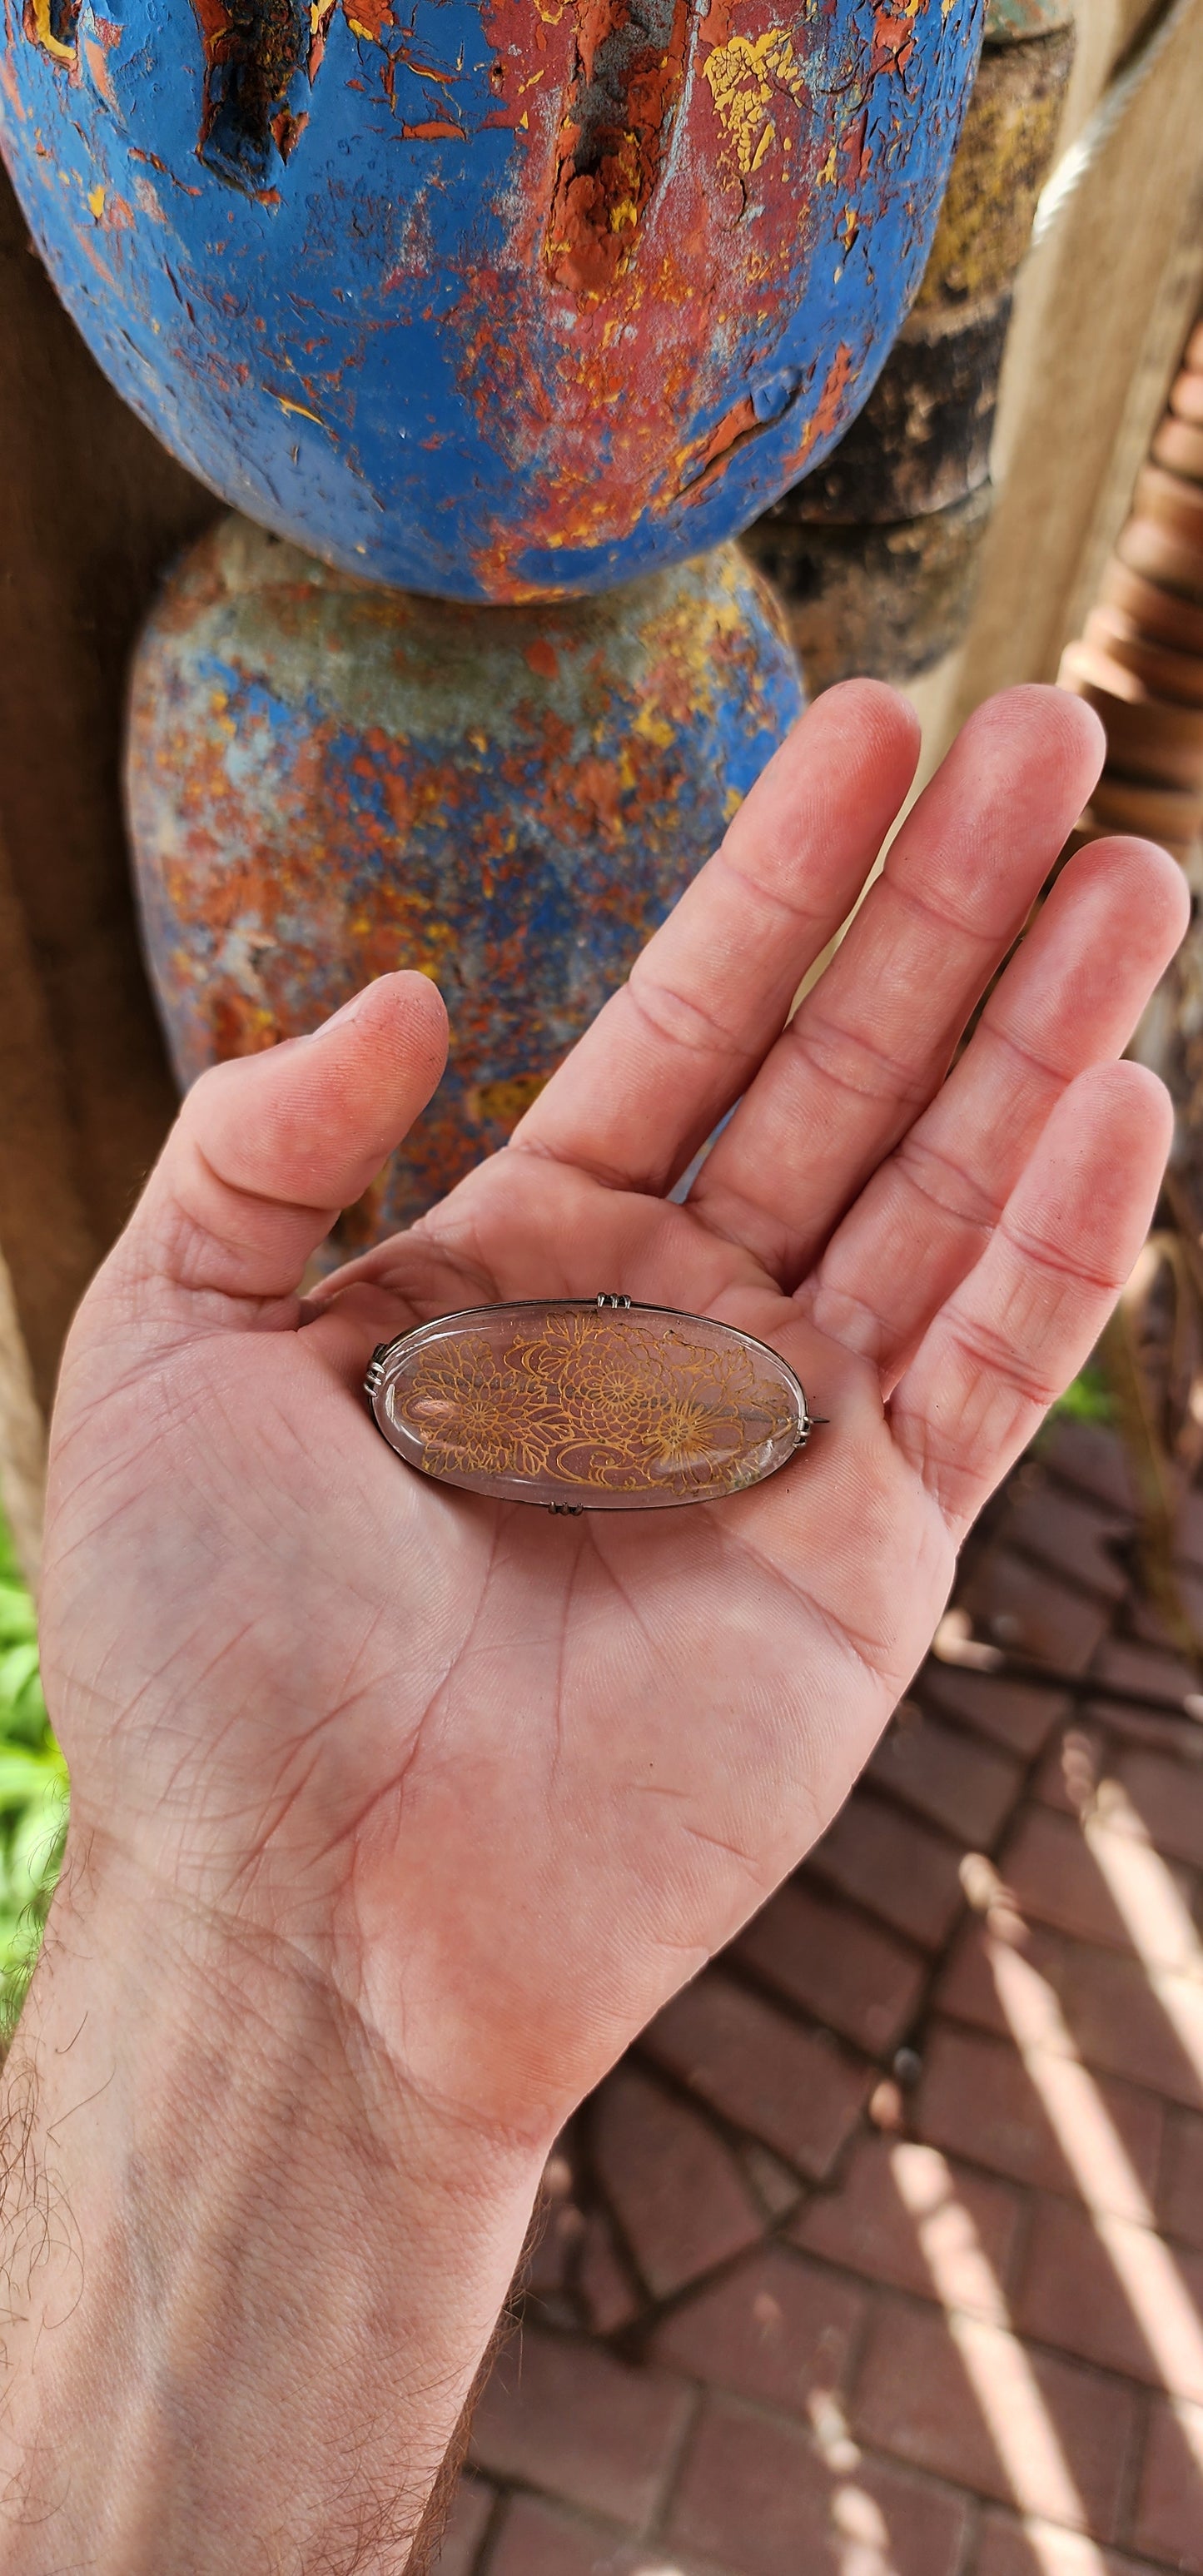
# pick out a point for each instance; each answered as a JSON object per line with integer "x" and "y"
{"x": 575, "y": 1399}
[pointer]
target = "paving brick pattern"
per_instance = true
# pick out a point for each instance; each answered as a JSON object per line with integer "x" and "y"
{"x": 882, "y": 2252}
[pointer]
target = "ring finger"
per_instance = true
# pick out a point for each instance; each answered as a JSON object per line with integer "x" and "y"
{"x": 871, "y": 1043}
{"x": 1070, "y": 998}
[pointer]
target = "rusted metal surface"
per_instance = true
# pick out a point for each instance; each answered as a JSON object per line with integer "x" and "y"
{"x": 328, "y": 780}
{"x": 492, "y": 298}
{"x": 891, "y": 601}
{"x": 875, "y": 552}
{"x": 1012, "y": 22}
{"x": 923, "y": 438}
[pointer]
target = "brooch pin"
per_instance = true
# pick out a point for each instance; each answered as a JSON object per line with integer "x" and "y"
{"x": 589, "y": 1405}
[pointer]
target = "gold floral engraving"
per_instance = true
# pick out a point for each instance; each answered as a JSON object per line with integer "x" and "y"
{"x": 588, "y": 1401}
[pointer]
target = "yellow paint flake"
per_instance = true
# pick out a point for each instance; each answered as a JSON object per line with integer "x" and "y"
{"x": 503, "y": 1103}
{"x": 745, "y": 76}
{"x": 358, "y": 28}
{"x": 624, "y": 211}
{"x": 45, "y": 34}
{"x": 654, "y": 729}
{"x": 302, "y": 408}
{"x": 96, "y": 202}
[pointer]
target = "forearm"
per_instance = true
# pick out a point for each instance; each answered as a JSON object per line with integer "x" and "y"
{"x": 250, "y": 2277}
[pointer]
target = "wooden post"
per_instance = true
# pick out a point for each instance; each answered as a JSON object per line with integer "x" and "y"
{"x": 1102, "y": 310}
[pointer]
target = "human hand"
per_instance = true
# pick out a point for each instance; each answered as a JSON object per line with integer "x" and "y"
{"x": 502, "y": 1781}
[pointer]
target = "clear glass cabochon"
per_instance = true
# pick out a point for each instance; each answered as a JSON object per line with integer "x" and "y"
{"x": 591, "y": 1406}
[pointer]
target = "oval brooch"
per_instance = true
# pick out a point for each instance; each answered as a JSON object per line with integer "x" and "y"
{"x": 588, "y": 1406}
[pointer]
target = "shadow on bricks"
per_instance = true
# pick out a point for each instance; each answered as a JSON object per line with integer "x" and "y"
{"x": 882, "y": 2253}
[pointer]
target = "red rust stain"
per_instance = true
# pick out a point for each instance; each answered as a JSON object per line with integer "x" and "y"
{"x": 543, "y": 658}
{"x": 661, "y": 317}
{"x": 824, "y": 417}
{"x": 368, "y": 18}
{"x": 854, "y": 151}
{"x": 320, "y": 16}
{"x": 287, "y": 131}
{"x": 87, "y": 243}
{"x": 96, "y": 47}
{"x": 434, "y": 129}
{"x": 255, "y": 51}
{"x": 731, "y": 432}
{"x": 239, "y": 1026}
{"x": 893, "y": 42}
{"x": 617, "y": 115}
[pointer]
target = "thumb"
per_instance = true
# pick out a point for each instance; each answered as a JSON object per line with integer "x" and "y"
{"x": 268, "y": 1149}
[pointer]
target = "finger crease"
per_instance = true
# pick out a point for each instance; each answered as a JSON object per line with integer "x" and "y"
{"x": 985, "y": 1350}
{"x": 711, "y": 1036}
{"x": 820, "y": 1043}
{"x": 242, "y": 1190}
{"x": 946, "y": 921}
{"x": 804, "y": 915}
{"x": 1054, "y": 1073}
{"x": 1043, "y": 1257}
{"x": 571, "y": 1158}
{"x": 982, "y": 1216}
{"x": 831, "y": 1309}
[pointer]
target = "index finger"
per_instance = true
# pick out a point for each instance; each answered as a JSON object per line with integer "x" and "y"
{"x": 711, "y": 992}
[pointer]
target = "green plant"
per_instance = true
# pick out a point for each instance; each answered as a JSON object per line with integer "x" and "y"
{"x": 33, "y": 1792}
{"x": 1089, "y": 1399}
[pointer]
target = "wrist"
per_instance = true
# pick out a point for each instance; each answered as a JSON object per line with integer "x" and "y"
{"x": 275, "y": 2264}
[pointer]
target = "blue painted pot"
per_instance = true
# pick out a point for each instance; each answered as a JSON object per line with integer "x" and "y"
{"x": 491, "y": 298}
{"x": 328, "y": 780}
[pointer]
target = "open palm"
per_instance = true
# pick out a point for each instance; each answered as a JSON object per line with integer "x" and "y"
{"x": 506, "y": 1780}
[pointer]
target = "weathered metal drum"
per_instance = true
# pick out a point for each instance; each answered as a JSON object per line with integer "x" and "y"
{"x": 490, "y": 298}
{"x": 328, "y": 780}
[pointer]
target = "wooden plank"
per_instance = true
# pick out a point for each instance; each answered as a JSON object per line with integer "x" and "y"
{"x": 91, "y": 510}
{"x": 22, "y": 1439}
{"x": 48, "y": 1244}
{"x": 1104, "y": 304}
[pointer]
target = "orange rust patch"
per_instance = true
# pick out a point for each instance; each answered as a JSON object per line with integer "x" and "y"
{"x": 893, "y": 42}
{"x": 616, "y": 120}
{"x": 826, "y": 413}
{"x": 730, "y": 433}
{"x": 434, "y": 129}
{"x": 368, "y": 18}
{"x": 287, "y": 131}
{"x": 543, "y": 658}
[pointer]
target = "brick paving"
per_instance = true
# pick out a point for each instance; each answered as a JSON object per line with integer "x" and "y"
{"x": 881, "y": 2254}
